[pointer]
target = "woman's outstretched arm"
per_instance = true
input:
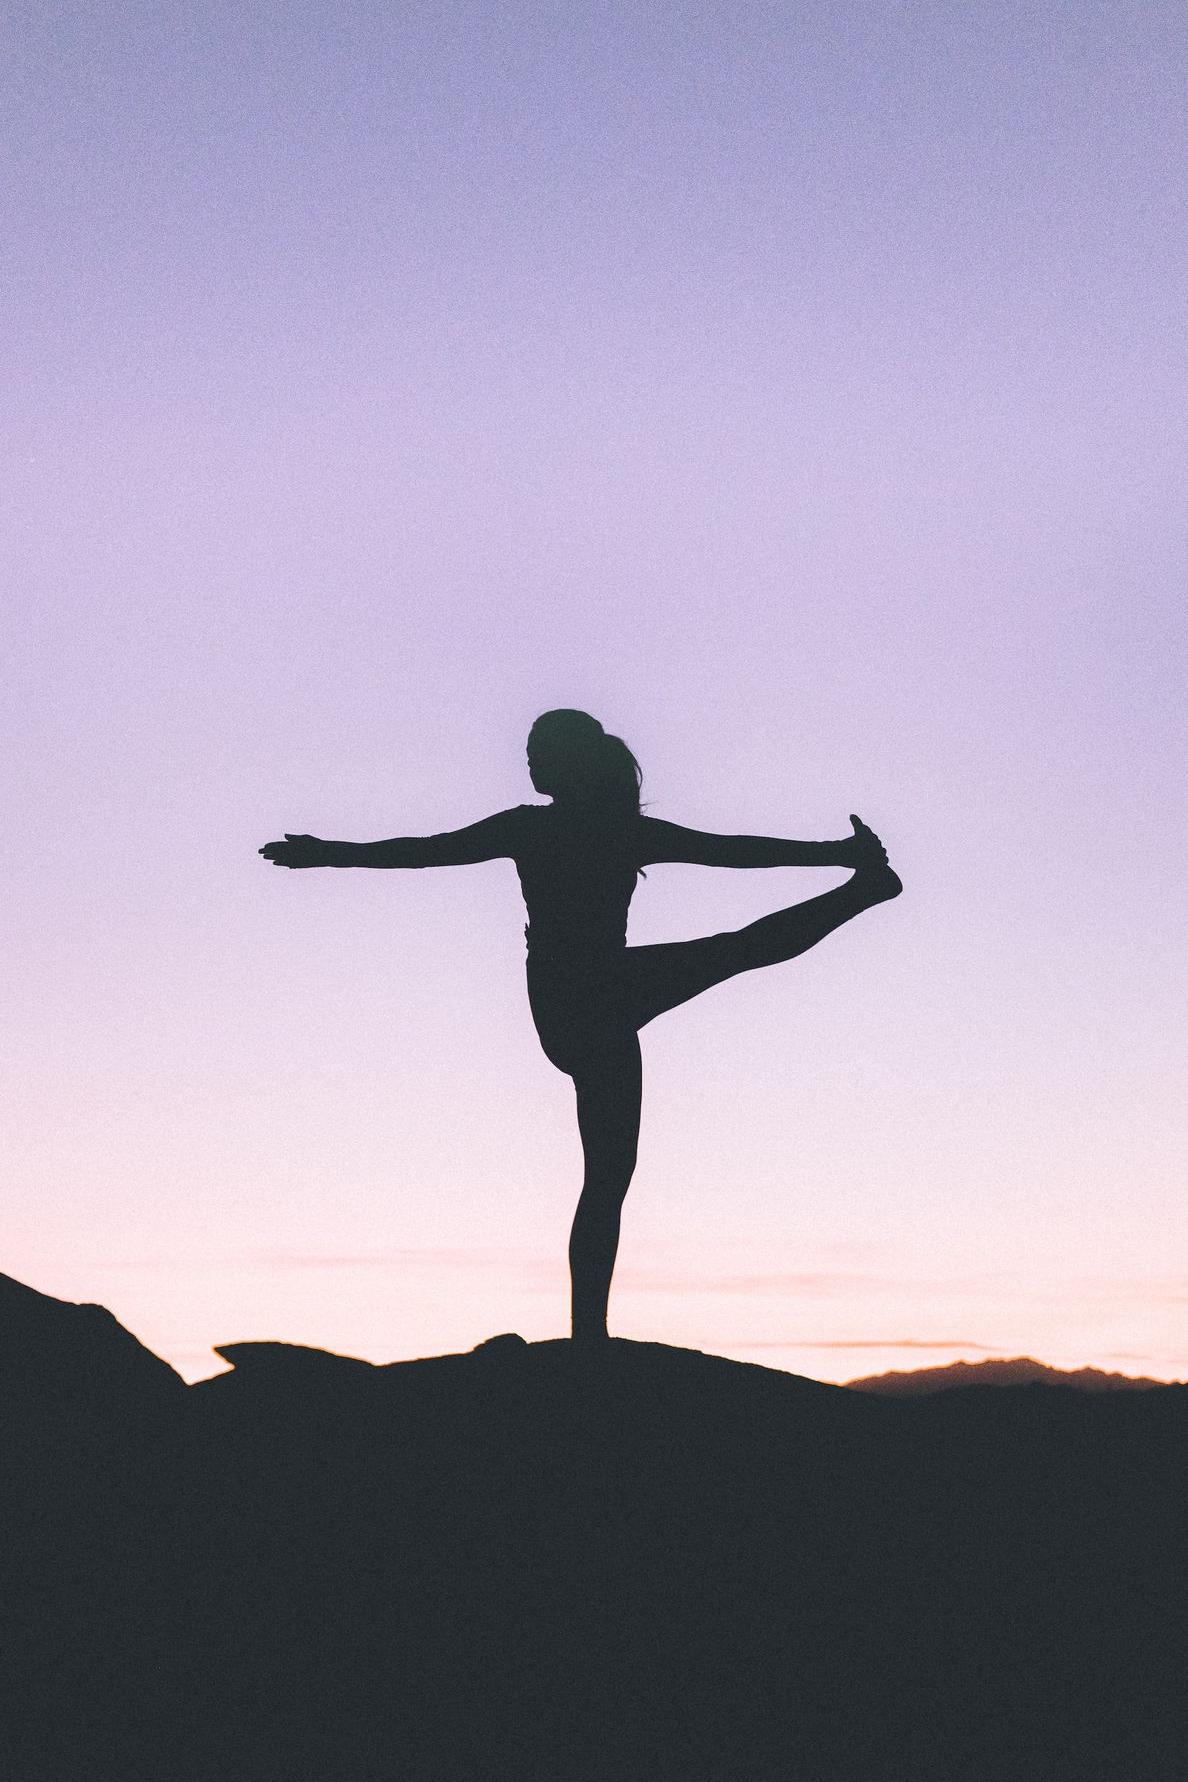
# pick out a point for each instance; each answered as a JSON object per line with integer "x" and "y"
{"x": 490, "y": 839}
{"x": 669, "y": 841}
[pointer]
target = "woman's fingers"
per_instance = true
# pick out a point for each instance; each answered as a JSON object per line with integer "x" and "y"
{"x": 867, "y": 838}
{"x": 295, "y": 850}
{"x": 278, "y": 852}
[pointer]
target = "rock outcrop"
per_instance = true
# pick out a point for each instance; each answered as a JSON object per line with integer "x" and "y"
{"x": 646, "y": 1565}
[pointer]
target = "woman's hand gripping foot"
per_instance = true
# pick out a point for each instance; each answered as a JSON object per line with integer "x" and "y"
{"x": 870, "y": 862}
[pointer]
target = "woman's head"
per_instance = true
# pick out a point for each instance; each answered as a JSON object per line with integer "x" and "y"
{"x": 574, "y": 761}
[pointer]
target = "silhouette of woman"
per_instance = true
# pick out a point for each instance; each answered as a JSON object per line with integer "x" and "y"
{"x": 590, "y": 993}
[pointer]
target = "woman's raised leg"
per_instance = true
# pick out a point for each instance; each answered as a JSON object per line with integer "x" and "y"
{"x": 661, "y": 977}
{"x": 609, "y": 1089}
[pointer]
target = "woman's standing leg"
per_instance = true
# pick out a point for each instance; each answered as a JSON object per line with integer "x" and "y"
{"x": 609, "y": 1089}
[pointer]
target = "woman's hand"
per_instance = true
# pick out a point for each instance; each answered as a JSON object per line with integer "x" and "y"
{"x": 297, "y": 850}
{"x": 863, "y": 848}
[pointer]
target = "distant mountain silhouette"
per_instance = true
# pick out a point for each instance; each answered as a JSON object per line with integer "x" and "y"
{"x": 531, "y": 1561}
{"x": 1022, "y": 1371}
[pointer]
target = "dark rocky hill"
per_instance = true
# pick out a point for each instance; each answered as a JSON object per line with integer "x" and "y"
{"x": 516, "y": 1563}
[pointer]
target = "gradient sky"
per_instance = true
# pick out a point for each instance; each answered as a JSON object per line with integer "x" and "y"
{"x": 801, "y": 389}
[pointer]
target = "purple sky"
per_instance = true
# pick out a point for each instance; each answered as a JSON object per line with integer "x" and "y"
{"x": 801, "y": 389}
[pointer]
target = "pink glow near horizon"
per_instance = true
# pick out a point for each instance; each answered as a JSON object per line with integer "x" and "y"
{"x": 801, "y": 390}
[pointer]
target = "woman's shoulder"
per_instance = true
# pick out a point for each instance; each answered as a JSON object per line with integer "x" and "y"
{"x": 527, "y": 823}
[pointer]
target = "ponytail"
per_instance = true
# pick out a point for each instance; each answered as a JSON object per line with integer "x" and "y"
{"x": 620, "y": 777}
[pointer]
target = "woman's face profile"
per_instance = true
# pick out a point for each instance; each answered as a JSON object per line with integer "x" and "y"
{"x": 542, "y": 755}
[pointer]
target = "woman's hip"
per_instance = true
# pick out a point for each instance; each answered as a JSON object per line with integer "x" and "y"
{"x": 579, "y": 1006}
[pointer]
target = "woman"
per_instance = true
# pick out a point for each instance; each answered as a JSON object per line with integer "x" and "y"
{"x": 590, "y": 992}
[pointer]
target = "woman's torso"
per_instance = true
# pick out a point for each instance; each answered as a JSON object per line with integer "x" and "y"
{"x": 577, "y": 875}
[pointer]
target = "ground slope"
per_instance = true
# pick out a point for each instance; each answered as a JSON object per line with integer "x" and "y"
{"x": 517, "y": 1563}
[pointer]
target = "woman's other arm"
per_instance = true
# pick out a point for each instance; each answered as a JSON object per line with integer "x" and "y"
{"x": 492, "y": 838}
{"x": 670, "y": 842}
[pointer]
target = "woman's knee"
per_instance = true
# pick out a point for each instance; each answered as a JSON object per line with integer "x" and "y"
{"x": 610, "y": 1159}
{"x": 603, "y": 1194}
{"x": 610, "y": 1144}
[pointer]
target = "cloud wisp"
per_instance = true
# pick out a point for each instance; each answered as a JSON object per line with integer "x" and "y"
{"x": 864, "y": 1343}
